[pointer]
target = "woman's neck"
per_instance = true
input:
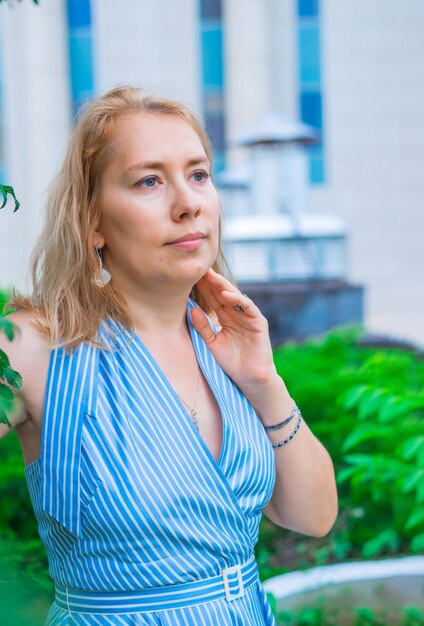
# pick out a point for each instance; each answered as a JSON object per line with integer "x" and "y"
{"x": 164, "y": 314}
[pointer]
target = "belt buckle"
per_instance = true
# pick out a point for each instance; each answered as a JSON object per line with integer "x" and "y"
{"x": 234, "y": 569}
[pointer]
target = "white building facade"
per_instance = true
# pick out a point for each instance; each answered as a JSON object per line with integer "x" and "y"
{"x": 354, "y": 70}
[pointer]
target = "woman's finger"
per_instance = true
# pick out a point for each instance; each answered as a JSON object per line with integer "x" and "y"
{"x": 214, "y": 284}
{"x": 201, "y": 324}
{"x": 241, "y": 303}
{"x": 209, "y": 295}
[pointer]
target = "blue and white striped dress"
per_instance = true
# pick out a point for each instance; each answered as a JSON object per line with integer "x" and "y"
{"x": 129, "y": 497}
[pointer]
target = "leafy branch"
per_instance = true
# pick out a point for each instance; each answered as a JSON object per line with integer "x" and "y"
{"x": 9, "y": 378}
{"x": 6, "y": 190}
{"x": 8, "y": 375}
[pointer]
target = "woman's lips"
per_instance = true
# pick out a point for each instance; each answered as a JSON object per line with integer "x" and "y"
{"x": 189, "y": 241}
{"x": 191, "y": 244}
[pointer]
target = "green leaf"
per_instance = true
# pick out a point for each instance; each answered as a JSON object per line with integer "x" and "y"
{"x": 412, "y": 481}
{"x": 359, "y": 459}
{"x": 7, "y": 328}
{"x": 5, "y": 392}
{"x": 350, "y": 399}
{"x": 417, "y": 544}
{"x": 12, "y": 377}
{"x": 394, "y": 407}
{"x": 411, "y": 447}
{"x": 4, "y": 191}
{"x": 375, "y": 546}
{"x": 3, "y": 417}
{"x": 344, "y": 474}
{"x": 370, "y": 403}
{"x": 364, "y": 432}
{"x": 416, "y": 519}
{"x": 4, "y": 361}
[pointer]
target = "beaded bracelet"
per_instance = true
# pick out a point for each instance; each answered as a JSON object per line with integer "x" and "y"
{"x": 290, "y": 437}
{"x": 295, "y": 411}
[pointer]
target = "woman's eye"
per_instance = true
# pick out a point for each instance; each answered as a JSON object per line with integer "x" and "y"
{"x": 149, "y": 182}
{"x": 200, "y": 176}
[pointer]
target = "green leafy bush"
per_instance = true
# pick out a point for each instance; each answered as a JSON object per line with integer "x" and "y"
{"x": 385, "y": 459}
{"x": 367, "y": 406}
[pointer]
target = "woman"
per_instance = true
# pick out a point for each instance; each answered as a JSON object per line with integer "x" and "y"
{"x": 147, "y": 429}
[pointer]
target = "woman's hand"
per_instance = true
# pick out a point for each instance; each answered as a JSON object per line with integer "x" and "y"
{"x": 305, "y": 495}
{"x": 242, "y": 347}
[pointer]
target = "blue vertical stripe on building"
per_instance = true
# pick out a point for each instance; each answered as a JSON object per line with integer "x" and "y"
{"x": 310, "y": 80}
{"x": 308, "y": 8}
{"x": 309, "y": 46}
{"x": 212, "y": 66}
{"x": 80, "y": 51}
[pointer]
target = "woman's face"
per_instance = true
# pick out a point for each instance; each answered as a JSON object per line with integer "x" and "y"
{"x": 156, "y": 190}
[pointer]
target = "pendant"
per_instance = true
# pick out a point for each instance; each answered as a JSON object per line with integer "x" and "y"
{"x": 194, "y": 417}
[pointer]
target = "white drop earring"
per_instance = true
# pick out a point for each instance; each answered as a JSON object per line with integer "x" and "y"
{"x": 103, "y": 276}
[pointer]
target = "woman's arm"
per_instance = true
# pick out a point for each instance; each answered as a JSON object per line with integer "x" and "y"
{"x": 305, "y": 495}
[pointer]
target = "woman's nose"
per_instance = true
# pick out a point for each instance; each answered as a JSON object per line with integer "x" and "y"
{"x": 185, "y": 203}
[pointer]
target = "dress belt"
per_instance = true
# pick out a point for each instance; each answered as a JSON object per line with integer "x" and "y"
{"x": 230, "y": 584}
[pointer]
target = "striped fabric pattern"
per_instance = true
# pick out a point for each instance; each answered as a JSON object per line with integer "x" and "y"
{"x": 129, "y": 497}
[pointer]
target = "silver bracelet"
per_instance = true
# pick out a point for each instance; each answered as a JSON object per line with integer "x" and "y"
{"x": 290, "y": 437}
{"x": 295, "y": 411}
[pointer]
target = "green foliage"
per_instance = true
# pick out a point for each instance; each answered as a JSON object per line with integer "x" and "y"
{"x": 9, "y": 378}
{"x": 367, "y": 406}
{"x": 16, "y": 515}
{"x": 327, "y": 612}
{"x": 7, "y": 374}
{"x": 385, "y": 452}
{"x": 25, "y": 592}
{"x": 23, "y": 561}
{"x": 6, "y": 190}
{"x": 414, "y": 616}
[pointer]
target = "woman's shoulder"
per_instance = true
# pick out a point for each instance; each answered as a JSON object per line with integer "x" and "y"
{"x": 29, "y": 341}
{"x": 28, "y": 353}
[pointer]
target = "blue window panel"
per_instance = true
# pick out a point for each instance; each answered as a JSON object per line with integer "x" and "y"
{"x": 210, "y": 9}
{"x": 307, "y": 8}
{"x": 309, "y": 54}
{"x": 311, "y": 108}
{"x": 81, "y": 58}
{"x": 316, "y": 164}
{"x": 212, "y": 58}
{"x": 216, "y": 130}
{"x": 79, "y": 14}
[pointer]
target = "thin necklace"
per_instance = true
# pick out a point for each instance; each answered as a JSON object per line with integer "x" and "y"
{"x": 192, "y": 410}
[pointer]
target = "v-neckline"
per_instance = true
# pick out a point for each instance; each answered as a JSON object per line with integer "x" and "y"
{"x": 195, "y": 337}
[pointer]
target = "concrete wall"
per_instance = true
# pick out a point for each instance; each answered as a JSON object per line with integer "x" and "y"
{"x": 154, "y": 45}
{"x": 373, "y": 58}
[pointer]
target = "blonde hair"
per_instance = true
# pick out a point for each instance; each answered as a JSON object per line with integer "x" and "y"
{"x": 68, "y": 307}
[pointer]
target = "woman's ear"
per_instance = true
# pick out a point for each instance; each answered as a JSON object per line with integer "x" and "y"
{"x": 97, "y": 240}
